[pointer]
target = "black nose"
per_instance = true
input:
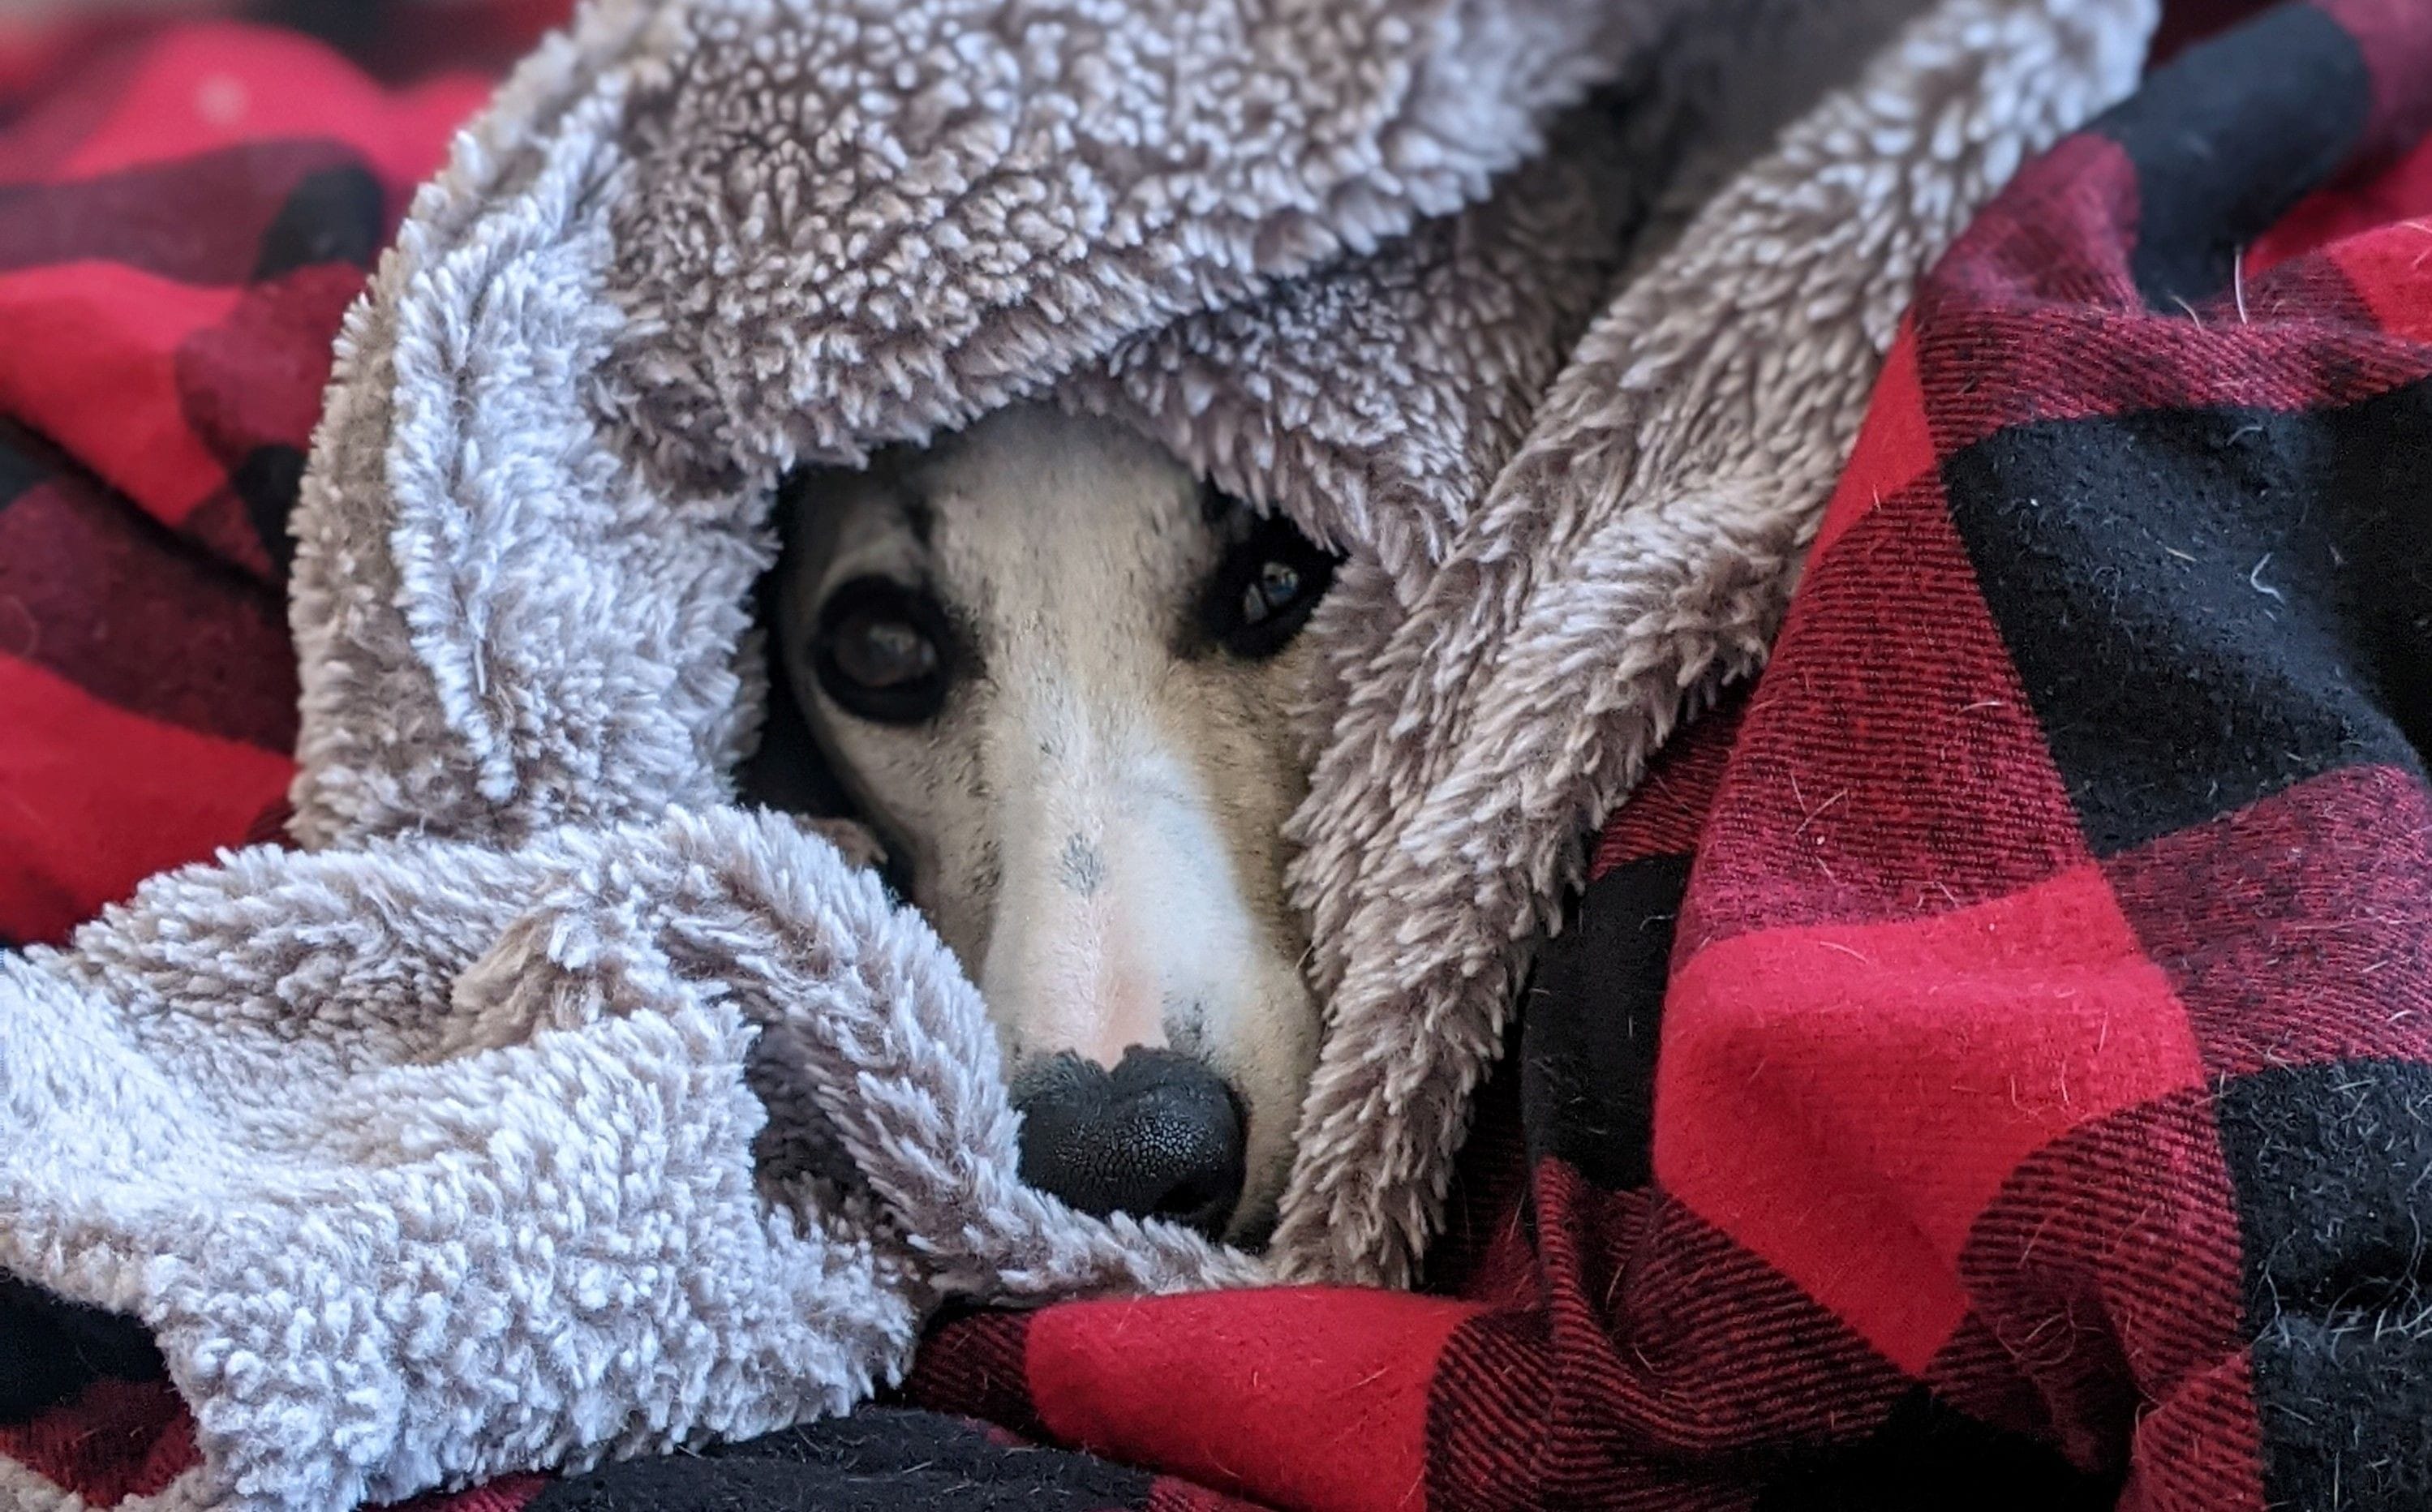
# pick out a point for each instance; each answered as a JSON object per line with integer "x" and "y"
{"x": 1159, "y": 1136}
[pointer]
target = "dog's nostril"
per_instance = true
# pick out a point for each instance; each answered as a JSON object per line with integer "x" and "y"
{"x": 1159, "y": 1136}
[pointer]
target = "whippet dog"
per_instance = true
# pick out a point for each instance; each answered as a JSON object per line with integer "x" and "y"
{"x": 1052, "y": 667}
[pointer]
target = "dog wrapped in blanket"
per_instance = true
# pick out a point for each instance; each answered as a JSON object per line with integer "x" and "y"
{"x": 548, "y": 1104}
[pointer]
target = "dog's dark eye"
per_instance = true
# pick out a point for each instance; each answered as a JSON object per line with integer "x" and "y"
{"x": 1265, "y": 589}
{"x": 882, "y": 651}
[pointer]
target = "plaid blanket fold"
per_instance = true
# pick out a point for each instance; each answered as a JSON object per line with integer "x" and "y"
{"x": 2035, "y": 953}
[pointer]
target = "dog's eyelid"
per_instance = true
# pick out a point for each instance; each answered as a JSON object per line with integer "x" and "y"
{"x": 919, "y": 515}
{"x": 1215, "y": 505}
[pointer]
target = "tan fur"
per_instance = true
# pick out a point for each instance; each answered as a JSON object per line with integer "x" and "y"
{"x": 1093, "y": 821}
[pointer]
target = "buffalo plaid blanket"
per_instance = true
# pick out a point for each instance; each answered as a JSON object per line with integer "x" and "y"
{"x": 2036, "y": 954}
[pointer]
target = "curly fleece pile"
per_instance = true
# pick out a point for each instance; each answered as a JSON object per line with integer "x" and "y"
{"x": 550, "y": 1104}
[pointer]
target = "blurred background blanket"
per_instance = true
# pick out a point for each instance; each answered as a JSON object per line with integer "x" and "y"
{"x": 2037, "y": 952}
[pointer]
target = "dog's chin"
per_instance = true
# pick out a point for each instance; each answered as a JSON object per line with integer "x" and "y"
{"x": 1253, "y": 1227}
{"x": 1254, "y": 1220}
{"x": 1272, "y": 1056}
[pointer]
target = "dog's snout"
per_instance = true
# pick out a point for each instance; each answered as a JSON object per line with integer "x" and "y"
{"x": 1159, "y": 1136}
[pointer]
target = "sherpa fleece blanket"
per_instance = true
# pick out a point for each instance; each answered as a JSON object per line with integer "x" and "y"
{"x": 2032, "y": 956}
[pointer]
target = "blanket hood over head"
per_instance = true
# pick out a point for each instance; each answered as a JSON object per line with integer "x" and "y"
{"x": 547, "y": 1102}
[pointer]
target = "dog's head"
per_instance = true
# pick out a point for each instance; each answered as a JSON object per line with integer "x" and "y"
{"x": 1053, "y": 670}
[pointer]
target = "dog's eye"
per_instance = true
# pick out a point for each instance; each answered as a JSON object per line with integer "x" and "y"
{"x": 882, "y": 651}
{"x": 884, "y": 654}
{"x": 1274, "y": 593}
{"x": 1265, "y": 589}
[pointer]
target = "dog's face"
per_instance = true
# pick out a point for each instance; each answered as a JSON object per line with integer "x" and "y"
{"x": 1053, "y": 670}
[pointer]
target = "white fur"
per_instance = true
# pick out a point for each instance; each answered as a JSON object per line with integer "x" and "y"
{"x": 1093, "y": 821}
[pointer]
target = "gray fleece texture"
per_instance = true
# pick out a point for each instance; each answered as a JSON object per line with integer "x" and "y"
{"x": 548, "y": 1104}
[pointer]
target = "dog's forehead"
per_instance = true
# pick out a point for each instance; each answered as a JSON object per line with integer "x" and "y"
{"x": 1031, "y": 507}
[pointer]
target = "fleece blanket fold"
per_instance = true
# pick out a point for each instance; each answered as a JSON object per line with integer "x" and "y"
{"x": 2038, "y": 1014}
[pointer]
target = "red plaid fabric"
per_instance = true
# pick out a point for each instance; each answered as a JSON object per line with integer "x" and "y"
{"x": 182, "y": 222}
{"x": 2033, "y": 954}
{"x": 2037, "y": 956}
